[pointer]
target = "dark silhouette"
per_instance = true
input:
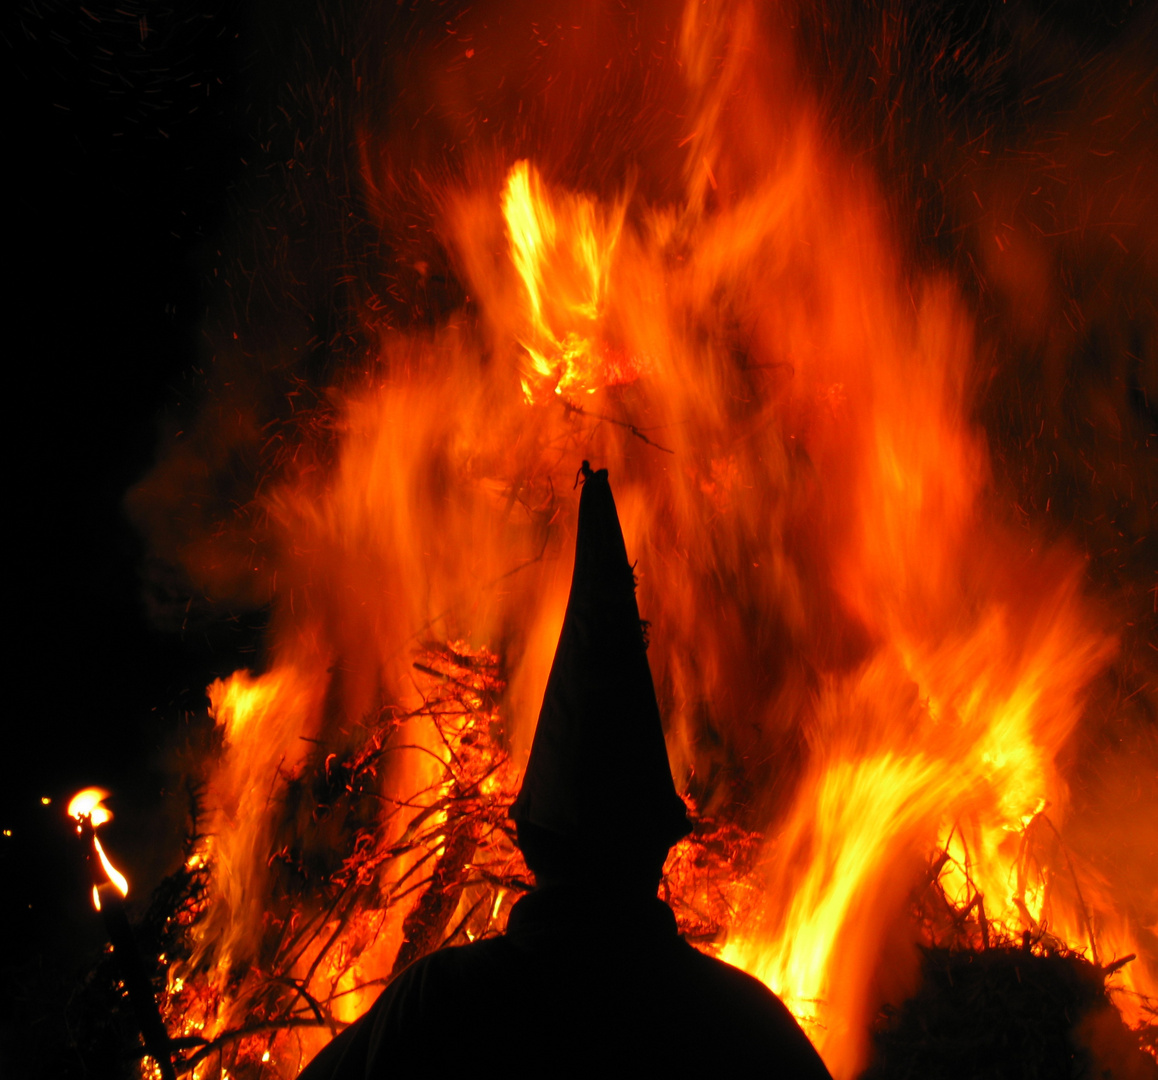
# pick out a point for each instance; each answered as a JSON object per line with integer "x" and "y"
{"x": 591, "y": 976}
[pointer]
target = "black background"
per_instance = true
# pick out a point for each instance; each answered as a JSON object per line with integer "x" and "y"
{"x": 125, "y": 136}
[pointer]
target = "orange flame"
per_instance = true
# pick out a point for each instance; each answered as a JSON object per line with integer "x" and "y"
{"x": 262, "y": 720}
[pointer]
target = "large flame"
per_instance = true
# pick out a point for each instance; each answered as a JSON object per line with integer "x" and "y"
{"x": 563, "y": 254}
{"x": 856, "y": 655}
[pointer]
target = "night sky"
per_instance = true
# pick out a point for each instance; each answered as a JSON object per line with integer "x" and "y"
{"x": 123, "y": 143}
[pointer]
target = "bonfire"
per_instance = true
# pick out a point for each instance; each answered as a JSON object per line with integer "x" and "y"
{"x": 901, "y": 702}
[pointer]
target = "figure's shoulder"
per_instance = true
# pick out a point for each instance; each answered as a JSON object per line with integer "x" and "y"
{"x": 759, "y": 1024}
{"x": 476, "y": 964}
{"x": 725, "y": 975}
{"x": 468, "y": 982}
{"x": 455, "y": 957}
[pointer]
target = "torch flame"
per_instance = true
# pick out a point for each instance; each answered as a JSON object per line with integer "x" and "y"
{"x": 89, "y": 803}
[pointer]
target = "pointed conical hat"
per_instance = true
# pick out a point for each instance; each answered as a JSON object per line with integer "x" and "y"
{"x": 598, "y": 769}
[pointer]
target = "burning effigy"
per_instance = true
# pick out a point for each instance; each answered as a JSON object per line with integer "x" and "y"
{"x": 906, "y": 704}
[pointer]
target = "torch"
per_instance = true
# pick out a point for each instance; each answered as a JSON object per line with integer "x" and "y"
{"x": 109, "y": 889}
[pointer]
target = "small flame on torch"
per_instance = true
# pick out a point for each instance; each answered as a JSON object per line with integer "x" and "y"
{"x": 90, "y": 804}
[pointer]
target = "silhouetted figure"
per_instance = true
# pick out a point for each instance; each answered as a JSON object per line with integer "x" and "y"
{"x": 591, "y": 976}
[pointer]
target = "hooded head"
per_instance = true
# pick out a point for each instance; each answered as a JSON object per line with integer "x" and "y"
{"x": 598, "y": 777}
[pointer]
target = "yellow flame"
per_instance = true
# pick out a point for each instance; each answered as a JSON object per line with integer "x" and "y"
{"x": 562, "y": 248}
{"x": 89, "y": 803}
{"x": 531, "y": 226}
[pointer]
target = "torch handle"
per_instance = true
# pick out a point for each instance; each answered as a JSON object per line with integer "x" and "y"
{"x": 134, "y": 974}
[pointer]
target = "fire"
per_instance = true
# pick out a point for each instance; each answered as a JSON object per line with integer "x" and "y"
{"x": 262, "y": 720}
{"x": 563, "y": 253}
{"x": 873, "y": 680}
{"x": 89, "y": 803}
{"x": 119, "y": 881}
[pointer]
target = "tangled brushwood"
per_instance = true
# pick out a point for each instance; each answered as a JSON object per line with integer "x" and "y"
{"x": 1010, "y": 1012}
{"x": 441, "y": 868}
{"x": 994, "y": 1006}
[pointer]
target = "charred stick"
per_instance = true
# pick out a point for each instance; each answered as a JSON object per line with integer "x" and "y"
{"x": 309, "y": 932}
{"x": 306, "y": 996}
{"x": 1078, "y": 889}
{"x": 394, "y": 893}
{"x": 395, "y": 897}
{"x": 446, "y": 678}
{"x": 344, "y": 918}
{"x": 514, "y": 884}
{"x": 384, "y": 981}
{"x": 1115, "y": 965}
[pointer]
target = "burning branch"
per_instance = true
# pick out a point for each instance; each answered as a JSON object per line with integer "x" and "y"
{"x": 444, "y": 875}
{"x": 435, "y": 867}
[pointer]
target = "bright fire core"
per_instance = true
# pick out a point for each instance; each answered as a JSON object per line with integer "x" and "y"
{"x": 868, "y": 677}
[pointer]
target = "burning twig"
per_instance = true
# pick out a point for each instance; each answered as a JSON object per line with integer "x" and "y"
{"x": 454, "y": 833}
{"x": 447, "y": 871}
{"x": 235, "y": 1035}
